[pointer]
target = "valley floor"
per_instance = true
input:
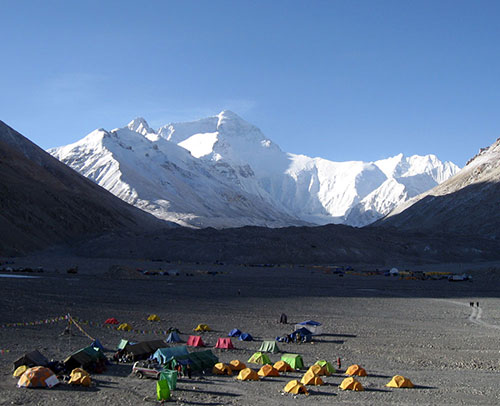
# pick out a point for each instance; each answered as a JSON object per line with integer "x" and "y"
{"x": 424, "y": 330}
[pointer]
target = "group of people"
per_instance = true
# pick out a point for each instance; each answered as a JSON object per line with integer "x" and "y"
{"x": 183, "y": 370}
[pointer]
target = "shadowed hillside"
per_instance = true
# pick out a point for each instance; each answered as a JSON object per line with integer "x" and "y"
{"x": 44, "y": 202}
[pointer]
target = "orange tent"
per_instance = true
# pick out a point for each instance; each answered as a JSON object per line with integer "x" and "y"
{"x": 351, "y": 384}
{"x": 310, "y": 378}
{"x": 37, "y": 377}
{"x": 268, "y": 370}
{"x": 399, "y": 381}
{"x": 248, "y": 374}
{"x": 295, "y": 387}
{"x": 236, "y": 365}
{"x": 355, "y": 370}
{"x": 283, "y": 366}
{"x": 222, "y": 369}
{"x": 318, "y": 370}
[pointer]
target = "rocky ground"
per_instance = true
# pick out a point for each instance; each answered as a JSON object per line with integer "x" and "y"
{"x": 424, "y": 330}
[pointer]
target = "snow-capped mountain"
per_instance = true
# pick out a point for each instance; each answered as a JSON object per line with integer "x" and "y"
{"x": 466, "y": 203}
{"x": 222, "y": 171}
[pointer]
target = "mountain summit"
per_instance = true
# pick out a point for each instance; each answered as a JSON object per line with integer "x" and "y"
{"x": 222, "y": 171}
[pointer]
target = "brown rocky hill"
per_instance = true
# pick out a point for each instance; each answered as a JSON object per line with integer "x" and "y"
{"x": 467, "y": 203}
{"x": 44, "y": 202}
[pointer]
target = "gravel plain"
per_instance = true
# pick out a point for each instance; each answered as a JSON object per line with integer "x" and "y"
{"x": 422, "y": 329}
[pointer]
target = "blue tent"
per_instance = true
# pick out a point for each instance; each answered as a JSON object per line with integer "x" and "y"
{"x": 163, "y": 355}
{"x": 234, "y": 333}
{"x": 173, "y": 337}
{"x": 245, "y": 337}
{"x": 310, "y": 323}
{"x": 97, "y": 343}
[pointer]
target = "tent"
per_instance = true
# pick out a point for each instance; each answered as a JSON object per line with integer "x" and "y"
{"x": 303, "y": 333}
{"x": 245, "y": 337}
{"x": 37, "y": 377}
{"x": 294, "y": 360}
{"x": 295, "y": 387}
{"x": 269, "y": 346}
{"x": 268, "y": 370}
{"x": 318, "y": 370}
{"x": 199, "y": 361}
{"x": 124, "y": 327}
{"x": 283, "y": 366}
{"x": 111, "y": 320}
{"x": 351, "y": 384}
{"x": 248, "y": 374}
{"x": 310, "y": 378}
{"x": 163, "y": 355}
{"x": 31, "y": 359}
{"x": 236, "y": 365}
{"x": 313, "y": 326}
{"x": 123, "y": 344}
{"x": 399, "y": 381}
{"x": 173, "y": 337}
{"x": 162, "y": 390}
{"x": 234, "y": 333}
{"x": 19, "y": 371}
{"x": 224, "y": 343}
{"x": 85, "y": 358}
{"x": 79, "y": 377}
{"x": 97, "y": 343}
{"x": 153, "y": 317}
{"x": 222, "y": 369}
{"x": 195, "y": 341}
{"x": 325, "y": 364}
{"x": 202, "y": 328}
{"x": 144, "y": 349}
{"x": 169, "y": 376}
{"x": 355, "y": 370}
{"x": 259, "y": 358}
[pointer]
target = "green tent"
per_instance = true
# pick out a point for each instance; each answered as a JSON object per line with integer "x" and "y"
{"x": 198, "y": 361}
{"x": 269, "y": 346}
{"x": 84, "y": 358}
{"x": 259, "y": 358}
{"x": 327, "y": 365}
{"x": 294, "y": 360}
{"x": 162, "y": 390}
{"x": 164, "y": 355}
{"x": 169, "y": 376}
{"x": 123, "y": 344}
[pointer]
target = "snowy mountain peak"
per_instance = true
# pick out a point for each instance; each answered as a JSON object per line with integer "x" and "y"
{"x": 140, "y": 125}
{"x": 222, "y": 171}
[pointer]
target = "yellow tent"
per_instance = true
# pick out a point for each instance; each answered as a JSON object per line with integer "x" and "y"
{"x": 222, "y": 369}
{"x": 399, "y": 381}
{"x": 124, "y": 327}
{"x": 283, "y": 366}
{"x": 318, "y": 370}
{"x": 79, "y": 377}
{"x": 202, "y": 327}
{"x": 351, "y": 384}
{"x": 19, "y": 371}
{"x": 310, "y": 378}
{"x": 248, "y": 374}
{"x": 355, "y": 370}
{"x": 236, "y": 365}
{"x": 295, "y": 387}
{"x": 268, "y": 370}
{"x": 153, "y": 317}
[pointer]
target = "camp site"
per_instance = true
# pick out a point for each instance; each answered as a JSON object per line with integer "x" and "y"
{"x": 215, "y": 334}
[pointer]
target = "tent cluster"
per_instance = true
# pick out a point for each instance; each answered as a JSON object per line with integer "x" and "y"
{"x": 240, "y": 335}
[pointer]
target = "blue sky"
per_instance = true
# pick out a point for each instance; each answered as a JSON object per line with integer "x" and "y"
{"x": 344, "y": 80}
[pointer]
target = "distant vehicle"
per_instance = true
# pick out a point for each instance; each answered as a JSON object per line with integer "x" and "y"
{"x": 460, "y": 278}
{"x": 146, "y": 369}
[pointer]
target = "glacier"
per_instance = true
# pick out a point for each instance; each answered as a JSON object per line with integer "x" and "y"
{"x": 222, "y": 171}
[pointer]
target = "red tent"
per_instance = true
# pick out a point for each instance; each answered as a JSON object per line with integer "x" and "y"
{"x": 195, "y": 341}
{"x": 112, "y": 320}
{"x": 225, "y": 343}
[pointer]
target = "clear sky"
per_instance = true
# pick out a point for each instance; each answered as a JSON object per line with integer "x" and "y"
{"x": 340, "y": 79}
